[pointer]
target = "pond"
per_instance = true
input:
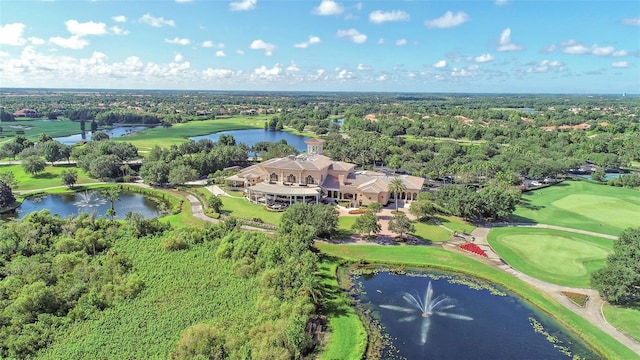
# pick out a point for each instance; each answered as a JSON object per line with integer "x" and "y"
{"x": 445, "y": 316}
{"x": 89, "y": 201}
{"x": 113, "y": 132}
{"x": 252, "y": 136}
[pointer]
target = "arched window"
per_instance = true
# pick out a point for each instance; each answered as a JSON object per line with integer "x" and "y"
{"x": 309, "y": 179}
{"x": 291, "y": 178}
{"x": 273, "y": 177}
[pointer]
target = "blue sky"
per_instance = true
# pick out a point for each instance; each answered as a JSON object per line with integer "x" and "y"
{"x": 500, "y": 46}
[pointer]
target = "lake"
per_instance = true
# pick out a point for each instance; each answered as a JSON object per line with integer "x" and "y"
{"x": 113, "y": 132}
{"x": 90, "y": 201}
{"x": 460, "y": 322}
{"x": 252, "y": 136}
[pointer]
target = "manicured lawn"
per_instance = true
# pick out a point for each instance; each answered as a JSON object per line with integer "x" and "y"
{"x": 430, "y": 256}
{"x": 558, "y": 257}
{"x": 33, "y": 129}
{"x": 625, "y": 319}
{"x": 455, "y": 223}
{"x": 581, "y": 205}
{"x": 179, "y": 133}
{"x": 50, "y": 177}
{"x": 244, "y": 209}
{"x": 347, "y": 338}
{"x": 430, "y": 232}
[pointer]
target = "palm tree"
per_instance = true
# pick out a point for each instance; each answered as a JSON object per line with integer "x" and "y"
{"x": 112, "y": 194}
{"x": 396, "y": 186}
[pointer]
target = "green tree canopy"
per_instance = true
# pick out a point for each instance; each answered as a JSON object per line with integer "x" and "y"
{"x": 33, "y": 165}
{"x": 367, "y": 223}
{"x": 400, "y": 224}
{"x": 619, "y": 281}
{"x": 6, "y": 195}
{"x": 69, "y": 177}
{"x": 322, "y": 218}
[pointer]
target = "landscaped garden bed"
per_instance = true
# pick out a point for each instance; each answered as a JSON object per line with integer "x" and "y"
{"x": 576, "y": 298}
{"x": 473, "y": 248}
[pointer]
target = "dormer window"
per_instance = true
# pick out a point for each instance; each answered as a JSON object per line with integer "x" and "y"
{"x": 291, "y": 178}
{"x": 273, "y": 177}
{"x": 309, "y": 179}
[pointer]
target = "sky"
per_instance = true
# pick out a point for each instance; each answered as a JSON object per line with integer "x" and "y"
{"x": 479, "y": 46}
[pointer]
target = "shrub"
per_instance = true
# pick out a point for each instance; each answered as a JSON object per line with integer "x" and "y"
{"x": 357, "y": 211}
{"x": 173, "y": 242}
{"x": 201, "y": 341}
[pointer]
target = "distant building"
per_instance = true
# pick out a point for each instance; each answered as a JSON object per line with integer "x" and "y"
{"x": 312, "y": 176}
{"x": 26, "y": 113}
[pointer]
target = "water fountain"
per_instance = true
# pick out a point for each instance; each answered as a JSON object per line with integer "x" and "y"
{"x": 89, "y": 199}
{"x": 425, "y": 308}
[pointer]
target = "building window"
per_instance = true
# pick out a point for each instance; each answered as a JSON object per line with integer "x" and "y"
{"x": 273, "y": 177}
{"x": 291, "y": 178}
{"x": 309, "y": 179}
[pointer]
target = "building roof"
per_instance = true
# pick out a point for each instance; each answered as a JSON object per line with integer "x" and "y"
{"x": 276, "y": 189}
{"x": 300, "y": 162}
{"x": 314, "y": 141}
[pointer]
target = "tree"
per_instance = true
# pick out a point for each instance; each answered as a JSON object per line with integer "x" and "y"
{"x": 322, "y": 218}
{"x": 112, "y": 194}
{"x": 396, "y": 186}
{"x": 33, "y": 165}
{"x": 6, "y": 195}
{"x": 401, "y": 224}
{"x": 182, "y": 173}
{"x": 376, "y": 207}
{"x": 99, "y": 135}
{"x": 9, "y": 178}
{"x": 226, "y": 139}
{"x": 104, "y": 167}
{"x": 52, "y": 151}
{"x": 598, "y": 175}
{"x": 69, "y": 177}
{"x": 155, "y": 172}
{"x": 214, "y": 203}
{"x": 619, "y": 281}
{"x": 43, "y": 138}
{"x": 424, "y": 207}
{"x": 201, "y": 341}
{"x": 367, "y": 223}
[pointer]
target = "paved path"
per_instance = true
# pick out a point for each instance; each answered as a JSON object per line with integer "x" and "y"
{"x": 592, "y": 312}
{"x": 554, "y": 227}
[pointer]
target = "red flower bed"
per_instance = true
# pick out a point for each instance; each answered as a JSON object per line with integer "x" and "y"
{"x": 471, "y": 247}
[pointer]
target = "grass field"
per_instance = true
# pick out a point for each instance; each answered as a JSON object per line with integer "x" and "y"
{"x": 33, "y": 129}
{"x": 179, "y": 133}
{"x": 554, "y": 256}
{"x": 429, "y": 256}
{"x": 625, "y": 319}
{"x": 347, "y": 338}
{"x": 48, "y": 178}
{"x": 242, "y": 208}
{"x": 581, "y": 205}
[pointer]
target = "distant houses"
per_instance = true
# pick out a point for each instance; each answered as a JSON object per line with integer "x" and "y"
{"x": 26, "y": 113}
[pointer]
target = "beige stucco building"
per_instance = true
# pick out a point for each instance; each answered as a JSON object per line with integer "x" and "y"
{"x": 312, "y": 176}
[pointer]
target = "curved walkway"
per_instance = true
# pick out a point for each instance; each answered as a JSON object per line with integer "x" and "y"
{"x": 554, "y": 227}
{"x": 592, "y": 312}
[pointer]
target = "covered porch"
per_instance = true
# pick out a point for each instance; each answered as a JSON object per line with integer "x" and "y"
{"x": 274, "y": 194}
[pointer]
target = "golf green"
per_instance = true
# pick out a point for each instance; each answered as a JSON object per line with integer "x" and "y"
{"x": 581, "y": 205}
{"x": 554, "y": 256}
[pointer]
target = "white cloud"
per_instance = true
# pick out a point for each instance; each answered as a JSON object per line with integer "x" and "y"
{"x": 501, "y": 2}
{"x": 293, "y": 67}
{"x": 73, "y": 42}
{"x": 547, "y": 66}
{"x": 344, "y": 74}
{"x": 156, "y": 21}
{"x": 505, "y": 44}
{"x": 456, "y": 72}
{"x": 381, "y": 41}
{"x": 210, "y": 44}
{"x": 119, "y": 31}
{"x": 119, "y": 18}
{"x": 353, "y": 35}
{"x": 363, "y": 67}
{"x": 178, "y": 41}
{"x": 220, "y": 53}
{"x": 620, "y": 64}
{"x": 183, "y": 1}
{"x": 573, "y": 47}
{"x": 262, "y": 45}
{"x": 243, "y": 5}
{"x": 36, "y": 41}
{"x": 178, "y": 58}
{"x": 448, "y": 20}
{"x": 263, "y": 72}
{"x": 549, "y": 49}
{"x": 305, "y": 44}
{"x": 379, "y": 17}
{"x": 382, "y": 77}
{"x": 87, "y": 28}
{"x": 401, "y": 42}
{"x": 483, "y": 58}
{"x": 631, "y": 21}
{"x": 328, "y": 8}
{"x": 217, "y": 73}
{"x": 11, "y": 34}
{"x": 239, "y": 52}
{"x": 440, "y": 64}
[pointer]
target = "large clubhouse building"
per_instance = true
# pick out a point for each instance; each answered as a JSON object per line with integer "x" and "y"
{"x": 312, "y": 177}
